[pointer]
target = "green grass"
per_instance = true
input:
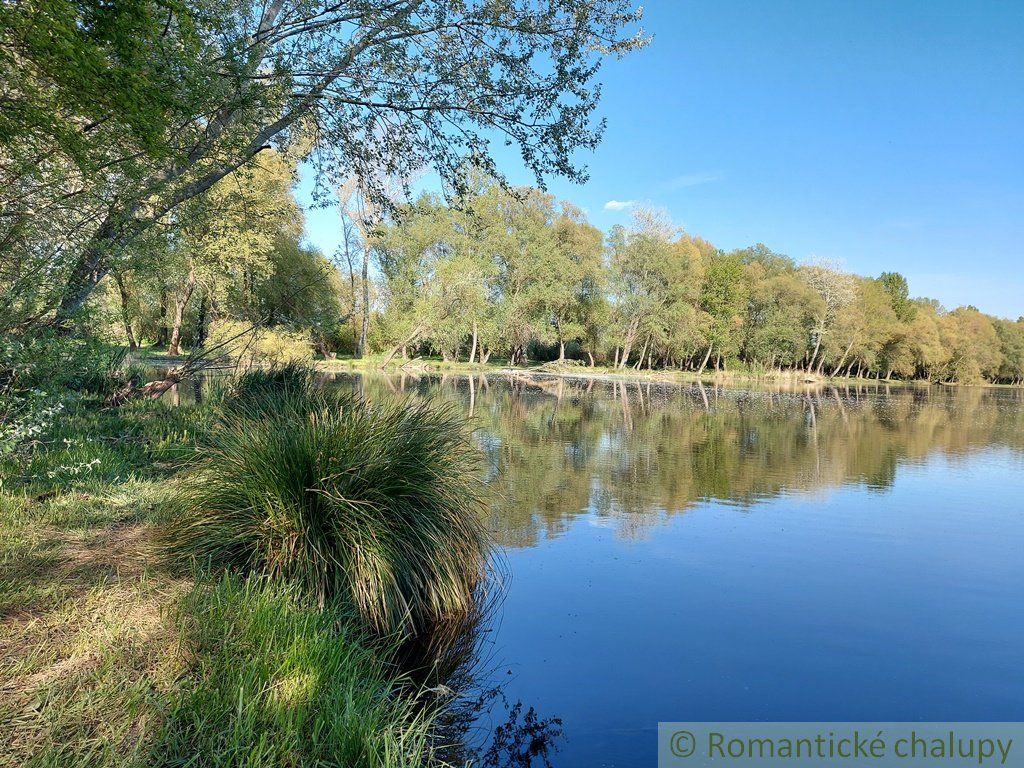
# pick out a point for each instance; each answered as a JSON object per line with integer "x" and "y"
{"x": 378, "y": 506}
{"x": 277, "y": 682}
{"x": 107, "y": 658}
{"x": 88, "y": 663}
{"x": 85, "y": 447}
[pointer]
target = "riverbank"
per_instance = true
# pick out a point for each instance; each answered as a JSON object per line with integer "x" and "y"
{"x": 779, "y": 378}
{"x": 783, "y": 379}
{"x": 111, "y": 657}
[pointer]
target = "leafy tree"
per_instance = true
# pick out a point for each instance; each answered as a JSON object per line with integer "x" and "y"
{"x": 835, "y": 290}
{"x": 974, "y": 345}
{"x": 895, "y": 286}
{"x": 723, "y": 297}
{"x": 779, "y": 302}
{"x": 1011, "y": 345}
{"x": 358, "y": 86}
{"x": 576, "y": 281}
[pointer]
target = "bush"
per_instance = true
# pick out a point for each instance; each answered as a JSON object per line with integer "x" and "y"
{"x": 378, "y": 506}
{"x": 278, "y": 683}
{"x": 259, "y": 345}
{"x": 41, "y": 359}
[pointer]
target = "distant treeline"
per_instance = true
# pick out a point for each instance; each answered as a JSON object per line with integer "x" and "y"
{"x": 513, "y": 274}
{"x": 494, "y": 273}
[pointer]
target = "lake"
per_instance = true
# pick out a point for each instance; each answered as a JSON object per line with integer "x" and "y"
{"x": 707, "y": 553}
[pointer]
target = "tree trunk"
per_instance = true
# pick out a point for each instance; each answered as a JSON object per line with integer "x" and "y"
{"x": 201, "y": 323}
{"x": 364, "y": 331}
{"x": 628, "y": 342}
{"x": 88, "y": 270}
{"x": 843, "y": 358}
{"x": 125, "y": 318}
{"x": 408, "y": 340}
{"x": 472, "y": 348}
{"x": 179, "y": 311}
{"x": 561, "y": 350}
{"x": 704, "y": 362}
{"x": 591, "y": 356}
{"x": 817, "y": 346}
{"x": 643, "y": 353}
{"x": 163, "y": 332}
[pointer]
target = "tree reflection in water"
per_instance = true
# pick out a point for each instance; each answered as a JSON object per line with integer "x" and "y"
{"x": 634, "y": 453}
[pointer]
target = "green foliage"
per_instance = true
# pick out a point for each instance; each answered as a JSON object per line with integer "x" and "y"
{"x": 373, "y": 505}
{"x": 71, "y": 443}
{"x": 506, "y": 270}
{"x": 88, "y": 60}
{"x": 895, "y": 286}
{"x": 278, "y": 682}
{"x": 118, "y": 115}
{"x": 249, "y": 344}
{"x": 258, "y": 386}
{"x": 41, "y": 359}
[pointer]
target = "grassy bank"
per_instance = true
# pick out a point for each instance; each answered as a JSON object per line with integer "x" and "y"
{"x": 113, "y": 654}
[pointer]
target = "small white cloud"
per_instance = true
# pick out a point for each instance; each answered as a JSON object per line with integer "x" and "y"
{"x": 693, "y": 179}
{"x": 619, "y": 205}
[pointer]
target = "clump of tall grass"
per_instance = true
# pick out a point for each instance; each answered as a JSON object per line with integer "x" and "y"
{"x": 276, "y": 682}
{"x": 376, "y": 505}
{"x": 265, "y": 384}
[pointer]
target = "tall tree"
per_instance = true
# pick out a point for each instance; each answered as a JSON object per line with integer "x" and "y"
{"x": 835, "y": 290}
{"x": 397, "y": 84}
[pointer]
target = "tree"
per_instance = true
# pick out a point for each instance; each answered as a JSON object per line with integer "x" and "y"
{"x": 647, "y": 276}
{"x": 779, "y": 303}
{"x": 974, "y": 345}
{"x": 223, "y": 240}
{"x": 895, "y": 286}
{"x": 835, "y": 290}
{"x": 576, "y": 276}
{"x": 369, "y": 84}
{"x": 863, "y": 328}
{"x": 722, "y": 297}
{"x": 1011, "y": 345}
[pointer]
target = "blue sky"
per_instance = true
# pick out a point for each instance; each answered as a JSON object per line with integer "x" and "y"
{"x": 886, "y": 135}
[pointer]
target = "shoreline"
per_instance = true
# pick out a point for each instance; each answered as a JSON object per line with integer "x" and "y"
{"x": 553, "y": 370}
{"x": 421, "y": 367}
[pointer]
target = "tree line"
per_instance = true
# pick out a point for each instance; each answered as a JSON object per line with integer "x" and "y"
{"x": 514, "y": 273}
{"x": 494, "y": 272}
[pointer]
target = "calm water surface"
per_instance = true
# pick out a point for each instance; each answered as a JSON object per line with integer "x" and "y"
{"x": 700, "y": 553}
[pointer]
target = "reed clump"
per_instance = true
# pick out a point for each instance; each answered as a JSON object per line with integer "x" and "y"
{"x": 376, "y": 505}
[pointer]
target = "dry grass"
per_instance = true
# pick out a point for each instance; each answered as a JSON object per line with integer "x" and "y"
{"x": 87, "y": 653}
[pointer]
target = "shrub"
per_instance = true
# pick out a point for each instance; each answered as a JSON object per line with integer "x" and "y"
{"x": 41, "y": 359}
{"x": 257, "y": 385}
{"x": 277, "y": 683}
{"x": 375, "y": 505}
{"x": 259, "y": 345}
